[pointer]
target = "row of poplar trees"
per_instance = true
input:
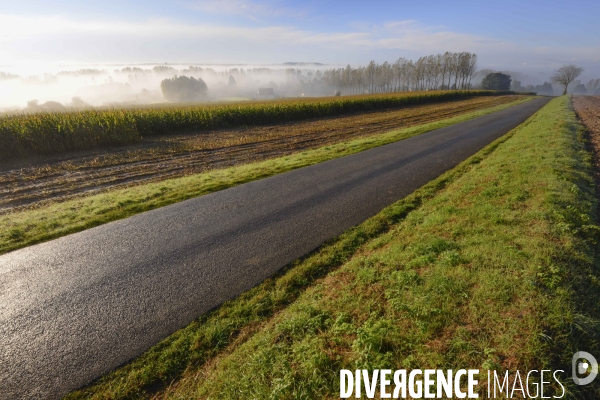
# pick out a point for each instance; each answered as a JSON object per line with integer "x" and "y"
{"x": 435, "y": 72}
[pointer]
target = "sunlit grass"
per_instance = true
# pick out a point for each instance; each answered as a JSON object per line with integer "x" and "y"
{"x": 491, "y": 266}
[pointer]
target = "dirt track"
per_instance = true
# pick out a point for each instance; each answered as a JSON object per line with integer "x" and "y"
{"x": 35, "y": 182}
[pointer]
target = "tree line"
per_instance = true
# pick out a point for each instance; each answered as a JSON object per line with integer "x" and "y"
{"x": 434, "y": 72}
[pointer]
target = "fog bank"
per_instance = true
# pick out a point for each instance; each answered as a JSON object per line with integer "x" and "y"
{"x": 115, "y": 85}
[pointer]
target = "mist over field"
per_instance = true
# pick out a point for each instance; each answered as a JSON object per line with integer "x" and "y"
{"x": 106, "y": 85}
{"x": 53, "y": 88}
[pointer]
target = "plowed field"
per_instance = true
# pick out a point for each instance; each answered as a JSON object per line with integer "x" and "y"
{"x": 588, "y": 111}
{"x": 42, "y": 180}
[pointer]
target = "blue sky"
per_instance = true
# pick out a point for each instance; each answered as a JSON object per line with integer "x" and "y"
{"x": 529, "y": 36}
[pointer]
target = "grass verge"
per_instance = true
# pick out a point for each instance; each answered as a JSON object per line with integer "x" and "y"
{"x": 491, "y": 266}
{"x": 23, "y": 228}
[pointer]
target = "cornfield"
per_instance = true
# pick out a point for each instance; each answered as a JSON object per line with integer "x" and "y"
{"x": 49, "y": 133}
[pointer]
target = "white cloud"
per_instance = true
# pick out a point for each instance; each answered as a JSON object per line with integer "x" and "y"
{"x": 61, "y": 39}
{"x": 415, "y": 36}
{"x": 249, "y": 8}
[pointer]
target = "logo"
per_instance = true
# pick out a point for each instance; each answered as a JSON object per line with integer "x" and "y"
{"x": 583, "y": 364}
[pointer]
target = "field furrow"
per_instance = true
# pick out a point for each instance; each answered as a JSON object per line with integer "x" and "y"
{"x": 56, "y": 178}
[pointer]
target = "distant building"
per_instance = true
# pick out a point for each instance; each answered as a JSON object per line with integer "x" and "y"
{"x": 265, "y": 93}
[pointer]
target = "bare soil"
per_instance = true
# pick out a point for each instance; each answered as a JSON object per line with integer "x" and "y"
{"x": 588, "y": 111}
{"x": 34, "y": 182}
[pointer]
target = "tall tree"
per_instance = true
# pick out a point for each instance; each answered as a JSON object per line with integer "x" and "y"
{"x": 431, "y": 72}
{"x": 471, "y": 68}
{"x": 565, "y": 75}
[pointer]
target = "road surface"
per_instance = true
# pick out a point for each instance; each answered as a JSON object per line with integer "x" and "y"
{"x": 76, "y": 307}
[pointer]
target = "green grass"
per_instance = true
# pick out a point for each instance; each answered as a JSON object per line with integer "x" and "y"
{"x": 48, "y": 133}
{"x": 23, "y": 228}
{"x": 493, "y": 266}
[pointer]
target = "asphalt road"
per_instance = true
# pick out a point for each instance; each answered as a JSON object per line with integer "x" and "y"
{"x": 76, "y": 307}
